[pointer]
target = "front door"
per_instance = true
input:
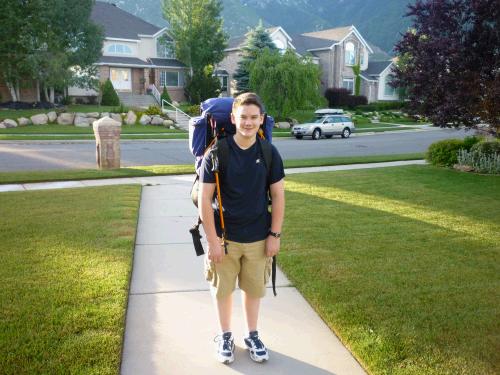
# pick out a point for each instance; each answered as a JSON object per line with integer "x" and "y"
{"x": 121, "y": 79}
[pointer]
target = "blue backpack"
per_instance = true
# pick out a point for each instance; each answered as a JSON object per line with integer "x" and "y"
{"x": 215, "y": 122}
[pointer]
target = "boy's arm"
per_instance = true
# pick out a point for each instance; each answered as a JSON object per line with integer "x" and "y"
{"x": 277, "y": 191}
{"x": 206, "y": 212}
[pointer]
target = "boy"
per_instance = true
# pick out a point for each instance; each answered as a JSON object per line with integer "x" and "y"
{"x": 252, "y": 233}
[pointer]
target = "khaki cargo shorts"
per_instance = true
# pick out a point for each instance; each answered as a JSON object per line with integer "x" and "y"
{"x": 246, "y": 262}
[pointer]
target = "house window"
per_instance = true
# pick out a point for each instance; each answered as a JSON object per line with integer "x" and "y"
{"x": 171, "y": 79}
{"x": 223, "y": 83}
{"x": 165, "y": 49}
{"x": 350, "y": 54}
{"x": 348, "y": 84}
{"x": 388, "y": 89}
{"x": 120, "y": 49}
{"x": 362, "y": 58}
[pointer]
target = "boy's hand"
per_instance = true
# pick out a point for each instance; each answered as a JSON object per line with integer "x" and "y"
{"x": 272, "y": 246}
{"x": 215, "y": 251}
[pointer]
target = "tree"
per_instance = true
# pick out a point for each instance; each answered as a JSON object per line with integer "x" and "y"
{"x": 257, "y": 40}
{"x": 285, "y": 82}
{"x": 109, "y": 95}
{"x": 449, "y": 61}
{"x": 196, "y": 28}
{"x": 202, "y": 85}
{"x": 165, "y": 96}
{"x": 356, "y": 69}
{"x": 52, "y": 42}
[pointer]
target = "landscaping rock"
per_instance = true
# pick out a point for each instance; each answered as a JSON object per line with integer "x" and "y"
{"x": 117, "y": 117}
{"x": 93, "y": 114}
{"x": 131, "y": 118}
{"x": 65, "y": 118}
{"x": 40, "y": 119}
{"x": 80, "y": 114}
{"x": 23, "y": 121}
{"x": 104, "y": 114}
{"x": 145, "y": 119}
{"x": 9, "y": 123}
{"x": 82, "y": 122}
{"x": 168, "y": 123}
{"x": 283, "y": 125}
{"x": 463, "y": 168}
{"x": 2, "y": 125}
{"x": 52, "y": 116}
{"x": 156, "y": 120}
{"x": 172, "y": 127}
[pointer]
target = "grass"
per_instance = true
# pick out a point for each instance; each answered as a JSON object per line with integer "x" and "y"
{"x": 66, "y": 265}
{"x": 402, "y": 263}
{"x": 160, "y": 170}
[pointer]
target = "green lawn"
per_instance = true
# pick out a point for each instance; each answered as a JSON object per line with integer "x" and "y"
{"x": 402, "y": 263}
{"x": 161, "y": 170}
{"x": 66, "y": 265}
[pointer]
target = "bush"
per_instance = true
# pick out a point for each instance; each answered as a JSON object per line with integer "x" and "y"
{"x": 340, "y": 97}
{"x": 193, "y": 110}
{"x": 444, "y": 153}
{"x": 480, "y": 161}
{"x": 120, "y": 109}
{"x": 165, "y": 95}
{"x": 487, "y": 147}
{"x": 153, "y": 110}
{"x": 109, "y": 95}
{"x": 470, "y": 141}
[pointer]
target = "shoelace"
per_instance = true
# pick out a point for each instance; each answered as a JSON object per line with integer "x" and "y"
{"x": 226, "y": 345}
{"x": 256, "y": 341}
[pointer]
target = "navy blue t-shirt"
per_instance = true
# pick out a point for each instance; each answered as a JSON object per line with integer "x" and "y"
{"x": 243, "y": 190}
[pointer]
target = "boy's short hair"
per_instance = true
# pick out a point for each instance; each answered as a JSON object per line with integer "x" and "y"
{"x": 248, "y": 98}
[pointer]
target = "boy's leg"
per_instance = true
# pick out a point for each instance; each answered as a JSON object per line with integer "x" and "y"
{"x": 224, "y": 307}
{"x": 251, "y": 309}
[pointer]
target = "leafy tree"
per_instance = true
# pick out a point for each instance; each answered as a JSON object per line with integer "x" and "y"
{"x": 257, "y": 40}
{"x": 196, "y": 27}
{"x": 285, "y": 82}
{"x": 109, "y": 95}
{"x": 202, "y": 85}
{"x": 48, "y": 41}
{"x": 450, "y": 65}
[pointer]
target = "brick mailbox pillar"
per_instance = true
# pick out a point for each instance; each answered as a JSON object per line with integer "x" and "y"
{"x": 107, "y": 138}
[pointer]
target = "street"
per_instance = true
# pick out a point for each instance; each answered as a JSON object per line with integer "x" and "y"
{"x": 40, "y": 155}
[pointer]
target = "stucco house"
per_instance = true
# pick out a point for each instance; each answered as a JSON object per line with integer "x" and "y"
{"x": 335, "y": 50}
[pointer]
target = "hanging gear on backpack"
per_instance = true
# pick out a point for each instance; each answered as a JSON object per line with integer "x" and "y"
{"x": 207, "y": 135}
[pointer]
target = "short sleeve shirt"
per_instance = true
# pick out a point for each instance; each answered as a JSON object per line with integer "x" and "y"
{"x": 244, "y": 191}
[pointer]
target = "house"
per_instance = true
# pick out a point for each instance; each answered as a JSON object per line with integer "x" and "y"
{"x": 335, "y": 50}
{"x": 133, "y": 58}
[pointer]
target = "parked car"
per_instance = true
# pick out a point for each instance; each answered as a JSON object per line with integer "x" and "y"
{"x": 327, "y": 126}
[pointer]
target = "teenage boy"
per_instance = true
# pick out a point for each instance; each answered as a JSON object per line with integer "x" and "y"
{"x": 252, "y": 233}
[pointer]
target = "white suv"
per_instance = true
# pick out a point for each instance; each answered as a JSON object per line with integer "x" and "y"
{"x": 327, "y": 126}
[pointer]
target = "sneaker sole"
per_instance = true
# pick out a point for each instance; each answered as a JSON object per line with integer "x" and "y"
{"x": 226, "y": 360}
{"x": 255, "y": 358}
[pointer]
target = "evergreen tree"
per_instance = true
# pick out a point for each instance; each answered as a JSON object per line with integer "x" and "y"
{"x": 285, "y": 82}
{"x": 257, "y": 40}
{"x": 109, "y": 95}
{"x": 165, "y": 95}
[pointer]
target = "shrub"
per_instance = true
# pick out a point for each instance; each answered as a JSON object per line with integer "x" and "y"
{"x": 193, "y": 110}
{"x": 66, "y": 100}
{"x": 153, "y": 110}
{"x": 487, "y": 147}
{"x": 470, "y": 141}
{"x": 341, "y": 97}
{"x": 165, "y": 95}
{"x": 481, "y": 162}
{"x": 109, "y": 95}
{"x": 444, "y": 153}
{"x": 120, "y": 109}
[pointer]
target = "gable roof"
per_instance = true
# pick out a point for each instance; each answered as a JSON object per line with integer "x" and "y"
{"x": 375, "y": 68}
{"x": 303, "y": 43}
{"x": 336, "y": 34}
{"x": 118, "y": 23}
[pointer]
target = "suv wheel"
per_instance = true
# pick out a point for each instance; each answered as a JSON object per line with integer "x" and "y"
{"x": 316, "y": 134}
{"x": 346, "y": 133}
{"x": 298, "y": 136}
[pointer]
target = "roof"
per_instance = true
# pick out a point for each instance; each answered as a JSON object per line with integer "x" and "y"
{"x": 221, "y": 72}
{"x": 166, "y": 63}
{"x": 376, "y": 67}
{"x": 239, "y": 41}
{"x": 118, "y": 23}
{"x": 336, "y": 34}
{"x": 302, "y": 43}
{"x": 123, "y": 61}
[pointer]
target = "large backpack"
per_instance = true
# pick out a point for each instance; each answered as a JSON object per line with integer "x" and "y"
{"x": 207, "y": 135}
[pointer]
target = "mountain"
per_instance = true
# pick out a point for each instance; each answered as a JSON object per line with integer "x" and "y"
{"x": 381, "y": 22}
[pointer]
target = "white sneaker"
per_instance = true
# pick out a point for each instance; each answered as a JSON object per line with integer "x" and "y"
{"x": 256, "y": 347}
{"x": 225, "y": 348}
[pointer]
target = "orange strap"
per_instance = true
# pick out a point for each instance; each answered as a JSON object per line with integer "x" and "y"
{"x": 219, "y": 198}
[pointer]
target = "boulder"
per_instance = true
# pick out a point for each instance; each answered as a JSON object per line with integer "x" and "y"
{"x": 156, "y": 120}
{"x": 52, "y": 116}
{"x": 131, "y": 118}
{"x": 145, "y": 119}
{"x": 93, "y": 114}
{"x": 65, "y": 118}
{"x": 168, "y": 123}
{"x": 172, "y": 127}
{"x": 40, "y": 119}
{"x": 23, "y": 121}
{"x": 117, "y": 117}
{"x": 80, "y": 114}
{"x": 9, "y": 123}
{"x": 104, "y": 114}
{"x": 283, "y": 125}
{"x": 82, "y": 122}
{"x": 2, "y": 126}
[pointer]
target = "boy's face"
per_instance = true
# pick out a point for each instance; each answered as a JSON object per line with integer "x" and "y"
{"x": 247, "y": 119}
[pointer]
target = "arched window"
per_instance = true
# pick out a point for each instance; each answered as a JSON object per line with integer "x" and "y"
{"x": 350, "y": 54}
{"x": 119, "y": 49}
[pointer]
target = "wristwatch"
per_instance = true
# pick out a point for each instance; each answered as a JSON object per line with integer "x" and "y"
{"x": 274, "y": 234}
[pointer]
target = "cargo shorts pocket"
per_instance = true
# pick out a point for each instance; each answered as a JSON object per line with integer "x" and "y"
{"x": 210, "y": 272}
{"x": 268, "y": 269}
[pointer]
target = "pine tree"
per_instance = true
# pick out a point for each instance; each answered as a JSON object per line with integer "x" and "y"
{"x": 257, "y": 40}
{"x": 109, "y": 95}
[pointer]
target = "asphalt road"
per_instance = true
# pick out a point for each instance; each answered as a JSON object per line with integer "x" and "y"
{"x": 40, "y": 155}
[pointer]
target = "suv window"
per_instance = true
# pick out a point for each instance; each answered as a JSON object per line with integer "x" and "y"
{"x": 337, "y": 119}
{"x": 346, "y": 119}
